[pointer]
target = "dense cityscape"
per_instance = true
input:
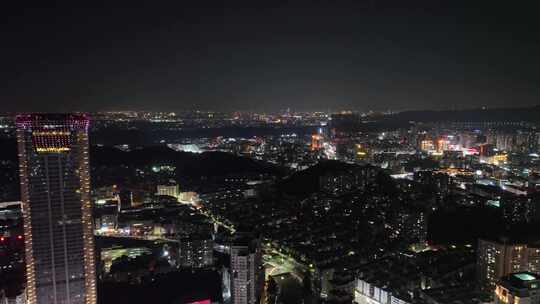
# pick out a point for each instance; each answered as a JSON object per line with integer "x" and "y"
{"x": 286, "y": 207}
{"x": 270, "y": 152}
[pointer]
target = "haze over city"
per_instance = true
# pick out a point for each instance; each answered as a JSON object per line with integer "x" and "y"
{"x": 283, "y": 152}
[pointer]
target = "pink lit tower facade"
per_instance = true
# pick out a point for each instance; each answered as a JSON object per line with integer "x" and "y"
{"x": 57, "y": 211}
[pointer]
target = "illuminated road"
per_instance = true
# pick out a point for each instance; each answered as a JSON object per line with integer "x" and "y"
{"x": 278, "y": 266}
{"x": 277, "y": 262}
{"x": 288, "y": 274}
{"x": 216, "y": 220}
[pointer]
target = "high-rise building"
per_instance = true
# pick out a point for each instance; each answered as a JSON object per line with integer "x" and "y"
{"x": 247, "y": 273}
{"x": 316, "y": 142}
{"x": 341, "y": 181}
{"x": 499, "y": 258}
{"x": 442, "y": 145}
{"x": 169, "y": 190}
{"x": 125, "y": 199}
{"x": 196, "y": 251}
{"x": 427, "y": 145}
{"x": 57, "y": 209}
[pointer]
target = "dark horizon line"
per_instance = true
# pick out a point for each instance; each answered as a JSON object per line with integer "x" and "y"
{"x": 454, "y": 109}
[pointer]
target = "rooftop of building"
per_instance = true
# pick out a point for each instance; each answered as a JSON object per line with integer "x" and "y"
{"x": 521, "y": 282}
{"x": 28, "y": 120}
{"x": 50, "y": 116}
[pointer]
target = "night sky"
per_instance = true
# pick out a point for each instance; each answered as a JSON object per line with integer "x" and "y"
{"x": 243, "y": 55}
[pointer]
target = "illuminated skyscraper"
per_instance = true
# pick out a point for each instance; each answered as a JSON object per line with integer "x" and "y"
{"x": 57, "y": 211}
{"x": 247, "y": 273}
{"x": 316, "y": 142}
